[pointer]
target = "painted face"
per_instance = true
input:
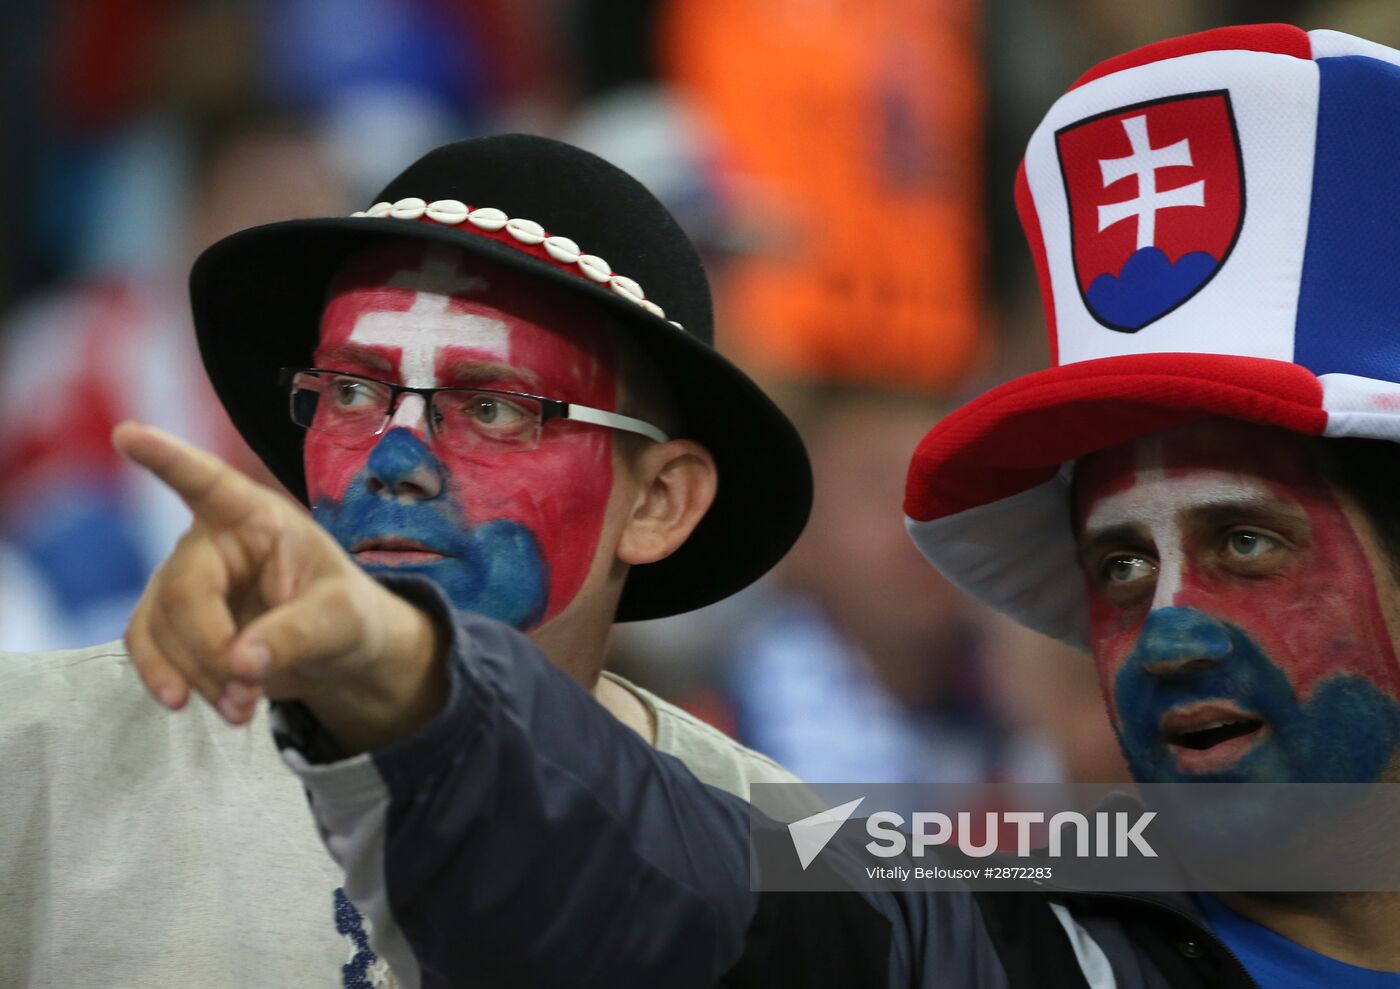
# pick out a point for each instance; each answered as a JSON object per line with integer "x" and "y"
{"x": 509, "y": 534}
{"x": 1236, "y": 619}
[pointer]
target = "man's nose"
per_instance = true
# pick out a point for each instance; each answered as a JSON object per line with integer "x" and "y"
{"x": 1178, "y": 640}
{"x": 402, "y": 467}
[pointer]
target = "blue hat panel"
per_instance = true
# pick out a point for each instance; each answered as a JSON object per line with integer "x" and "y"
{"x": 1349, "y": 297}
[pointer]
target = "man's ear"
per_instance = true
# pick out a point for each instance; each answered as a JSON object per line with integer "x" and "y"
{"x": 676, "y": 484}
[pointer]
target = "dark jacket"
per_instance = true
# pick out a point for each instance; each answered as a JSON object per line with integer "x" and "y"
{"x": 528, "y": 838}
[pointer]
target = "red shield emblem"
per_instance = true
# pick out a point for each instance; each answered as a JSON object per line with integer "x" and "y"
{"x": 1156, "y": 198}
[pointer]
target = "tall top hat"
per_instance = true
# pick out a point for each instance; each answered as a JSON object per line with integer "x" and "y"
{"x": 1215, "y": 222}
{"x": 570, "y": 219}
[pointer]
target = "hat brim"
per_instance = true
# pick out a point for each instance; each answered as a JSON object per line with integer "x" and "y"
{"x": 987, "y": 498}
{"x": 257, "y": 298}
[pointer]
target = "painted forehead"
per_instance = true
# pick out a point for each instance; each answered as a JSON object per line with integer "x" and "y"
{"x": 433, "y": 314}
{"x": 1217, "y": 460}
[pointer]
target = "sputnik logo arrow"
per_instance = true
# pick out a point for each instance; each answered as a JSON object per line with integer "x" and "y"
{"x": 811, "y": 834}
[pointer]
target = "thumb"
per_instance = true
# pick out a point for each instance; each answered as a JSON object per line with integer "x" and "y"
{"x": 321, "y": 624}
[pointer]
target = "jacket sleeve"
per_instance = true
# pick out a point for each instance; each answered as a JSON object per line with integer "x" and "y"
{"x": 527, "y": 837}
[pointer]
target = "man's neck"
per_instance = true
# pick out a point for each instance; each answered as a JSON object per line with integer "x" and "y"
{"x": 580, "y": 649}
{"x": 1355, "y": 928}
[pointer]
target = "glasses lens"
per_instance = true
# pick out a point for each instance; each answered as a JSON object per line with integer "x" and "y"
{"x": 486, "y": 422}
{"x": 339, "y": 403}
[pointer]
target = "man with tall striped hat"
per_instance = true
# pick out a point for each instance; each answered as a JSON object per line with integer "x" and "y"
{"x": 1215, "y": 222}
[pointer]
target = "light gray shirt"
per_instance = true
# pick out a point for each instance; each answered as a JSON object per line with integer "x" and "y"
{"x": 140, "y": 847}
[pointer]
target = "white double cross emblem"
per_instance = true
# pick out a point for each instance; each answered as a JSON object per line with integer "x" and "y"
{"x": 1144, "y": 162}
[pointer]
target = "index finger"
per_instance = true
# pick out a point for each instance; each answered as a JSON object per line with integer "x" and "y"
{"x": 216, "y": 493}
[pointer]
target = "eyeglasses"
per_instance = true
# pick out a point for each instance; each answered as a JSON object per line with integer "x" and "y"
{"x": 468, "y": 420}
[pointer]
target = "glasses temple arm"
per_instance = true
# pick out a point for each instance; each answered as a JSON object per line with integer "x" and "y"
{"x": 613, "y": 420}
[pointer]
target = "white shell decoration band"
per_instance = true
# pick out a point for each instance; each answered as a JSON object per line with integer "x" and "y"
{"x": 452, "y": 212}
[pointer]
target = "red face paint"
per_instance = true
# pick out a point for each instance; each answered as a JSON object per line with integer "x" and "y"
{"x": 1318, "y": 614}
{"x": 430, "y": 318}
{"x": 1229, "y": 548}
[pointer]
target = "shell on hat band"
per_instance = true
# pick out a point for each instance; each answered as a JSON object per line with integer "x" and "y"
{"x": 562, "y": 250}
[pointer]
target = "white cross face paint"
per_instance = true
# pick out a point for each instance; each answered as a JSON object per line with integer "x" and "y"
{"x": 411, "y": 413}
{"x": 421, "y": 332}
{"x": 1156, "y": 505}
{"x": 430, "y": 324}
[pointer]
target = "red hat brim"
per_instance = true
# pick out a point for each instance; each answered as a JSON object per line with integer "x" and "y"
{"x": 1018, "y": 435}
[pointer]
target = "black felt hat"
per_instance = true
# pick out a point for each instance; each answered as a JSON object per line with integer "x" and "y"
{"x": 568, "y": 217}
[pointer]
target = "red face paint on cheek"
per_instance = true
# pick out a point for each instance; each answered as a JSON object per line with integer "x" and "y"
{"x": 560, "y": 491}
{"x": 1112, "y": 633}
{"x": 1113, "y": 630}
{"x": 330, "y": 466}
{"x": 332, "y": 462}
{"x": 1318, "y": 617}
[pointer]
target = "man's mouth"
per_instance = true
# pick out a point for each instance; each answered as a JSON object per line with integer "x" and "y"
{"x": 394, "y": 551}
{"x": 1210, "y": 736}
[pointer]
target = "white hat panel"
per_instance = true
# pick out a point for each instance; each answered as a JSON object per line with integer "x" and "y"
{"x": 1254, "y": 293}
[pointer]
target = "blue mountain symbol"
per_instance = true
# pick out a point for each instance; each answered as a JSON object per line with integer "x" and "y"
{"x": 1148, "y": 286}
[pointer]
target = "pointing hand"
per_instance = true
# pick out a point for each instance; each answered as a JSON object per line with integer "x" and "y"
{"x": 257, "y": 599}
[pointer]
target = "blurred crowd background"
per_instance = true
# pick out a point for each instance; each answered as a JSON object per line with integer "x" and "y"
{"x": 845, "y": 165}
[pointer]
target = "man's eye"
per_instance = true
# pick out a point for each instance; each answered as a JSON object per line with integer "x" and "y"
{"x": 349, "y": 393}
{"x": 1125, "y": 568}
{"x": 1247, "y": 545}
{"x": 498, "y": 415}
{"x": 492, "y": 411}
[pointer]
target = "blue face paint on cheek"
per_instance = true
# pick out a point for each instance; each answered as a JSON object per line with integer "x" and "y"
{"x": 1347, "y": 732}
{"x": 495, "y": 569}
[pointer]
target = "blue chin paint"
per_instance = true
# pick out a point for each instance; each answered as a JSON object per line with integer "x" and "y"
{"x": 1346, "y": 732}
{"x": 495, "y": 569}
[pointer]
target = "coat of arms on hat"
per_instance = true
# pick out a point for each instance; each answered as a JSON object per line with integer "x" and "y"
{"x": 1156, "y": 200}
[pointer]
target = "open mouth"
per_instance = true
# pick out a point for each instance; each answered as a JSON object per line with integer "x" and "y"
{"x": 394, "y": 551}
{"x": 1210, "y": 736}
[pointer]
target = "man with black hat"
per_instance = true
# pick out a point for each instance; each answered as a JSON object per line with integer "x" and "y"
{"x": 483, "y": 415}
{"x": 1201, "y": 490}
